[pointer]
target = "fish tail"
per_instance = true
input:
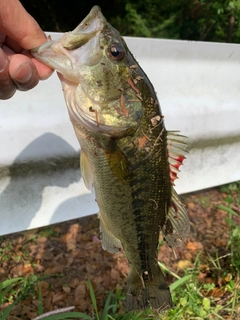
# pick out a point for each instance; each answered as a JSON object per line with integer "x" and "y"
{"x": 145, "y": 291}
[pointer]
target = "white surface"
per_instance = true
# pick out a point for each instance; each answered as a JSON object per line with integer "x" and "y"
{"x": 198, "y": 86}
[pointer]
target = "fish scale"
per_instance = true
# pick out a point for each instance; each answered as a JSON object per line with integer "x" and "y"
{"x": 126, "y": 153}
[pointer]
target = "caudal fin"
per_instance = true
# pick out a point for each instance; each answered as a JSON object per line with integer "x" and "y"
{"x": 150, "y": 297}
{"x": 143, "y": 292}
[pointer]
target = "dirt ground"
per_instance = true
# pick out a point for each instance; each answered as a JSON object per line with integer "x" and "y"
{"x": 70, "y": 253}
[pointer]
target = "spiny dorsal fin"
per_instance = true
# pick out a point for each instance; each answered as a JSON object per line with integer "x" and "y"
{"x": 109, "y": 241}
{"x": 176, "y": 227}
{"x": 86, "y": 170}
{"x": 176, "y": 152}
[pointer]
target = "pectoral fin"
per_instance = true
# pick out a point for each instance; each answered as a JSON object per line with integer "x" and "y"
{"x": 86, "y": 170}
{"x": 109, "y": 241}
{"x": 118, "y": 163}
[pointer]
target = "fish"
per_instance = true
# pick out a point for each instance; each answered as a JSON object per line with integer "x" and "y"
{"x": 127, "y": 155}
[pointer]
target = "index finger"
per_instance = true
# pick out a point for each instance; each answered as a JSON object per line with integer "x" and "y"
{"x": 19, "y": 25}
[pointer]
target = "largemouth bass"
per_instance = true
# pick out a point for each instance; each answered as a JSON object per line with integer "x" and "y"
{"x": 126, "y": 153}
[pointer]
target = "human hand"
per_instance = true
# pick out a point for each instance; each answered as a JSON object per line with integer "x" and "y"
{"x": 19, "y": 32}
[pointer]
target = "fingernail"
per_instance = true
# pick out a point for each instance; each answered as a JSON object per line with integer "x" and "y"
{"x": 3, "y": 61}
{"x": 23, "y": 73}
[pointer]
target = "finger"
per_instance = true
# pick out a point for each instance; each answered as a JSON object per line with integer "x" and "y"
{"x": 43, "y": 70}
{"x": 19, "y": 25}
{"x": 13, "y": 45}
{"x": 2, "y": 37}
{"x": 23, "y": 72}
{"x": 7, "y": 86}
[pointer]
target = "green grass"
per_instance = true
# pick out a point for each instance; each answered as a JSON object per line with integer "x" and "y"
{"x": 49, "y": 232}
{"x": 189, "y": 296}
{"x": 192, "y": 299}
{"x": 232, "y": 201}
{"x": 12, "y": 291}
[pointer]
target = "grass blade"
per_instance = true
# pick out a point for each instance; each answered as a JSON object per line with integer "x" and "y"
{"x": 40, "y": 304}
{"x": 107, "y": 307}
{"x": 9, "y": 309}
{"x": 168, "y": 270}
{"x": 180, "y": 282}
{"x": 68, "y": 315}
{"x": 93, "y": 298}
{"x": 9, "y": 282}
{"x": 7, "y": 285}
{"x": 227, "y": 209}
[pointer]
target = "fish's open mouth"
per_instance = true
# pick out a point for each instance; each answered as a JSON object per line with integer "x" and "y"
{"x": 94, "y": 72}
{"x": 61, "y": 54}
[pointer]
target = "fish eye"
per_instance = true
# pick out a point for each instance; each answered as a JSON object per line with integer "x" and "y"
{"x": 116, "y": 52}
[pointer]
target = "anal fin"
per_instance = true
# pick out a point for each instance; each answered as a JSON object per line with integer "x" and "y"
{"x": 176, "y": 227}
{"x": 109, "y": 241}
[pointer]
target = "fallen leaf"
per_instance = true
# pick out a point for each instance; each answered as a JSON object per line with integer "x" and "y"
{"x": 66, "y": 289}
{"x": 57, "y": 269}
{"x": 59, "y": 296}
{"x": 183, "y": 264}
{"x": 42, "y": 240}
{"x": 216, "y": 293}
{"x": 194, "y": 245}
{"x": 114, "y": 274}
{"x": 80, "y": 291}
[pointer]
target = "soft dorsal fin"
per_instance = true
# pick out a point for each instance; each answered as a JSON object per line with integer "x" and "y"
{"x": 176, "y": 152}
{"x": 176, "y": 227}
{"x": 86, "y": 170}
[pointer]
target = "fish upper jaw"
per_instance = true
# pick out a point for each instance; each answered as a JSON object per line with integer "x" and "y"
{"x": 74, "y": 49}
{"x": 94, "y": 21}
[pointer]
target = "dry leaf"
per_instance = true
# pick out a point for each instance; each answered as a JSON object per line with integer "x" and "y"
{"x": 57, "y": 269}
{"x": 59, "y": 296}
{"x": 194, "y": 245}
{"x": 183, "y": 264}
{"x": 80, "y": 291}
